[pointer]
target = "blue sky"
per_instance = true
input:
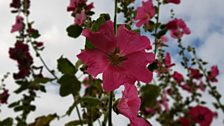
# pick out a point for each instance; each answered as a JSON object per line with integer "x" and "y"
{"x": 204, "y": 17}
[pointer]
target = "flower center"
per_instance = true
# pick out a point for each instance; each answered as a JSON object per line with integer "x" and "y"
{"x": 116, "y": 57}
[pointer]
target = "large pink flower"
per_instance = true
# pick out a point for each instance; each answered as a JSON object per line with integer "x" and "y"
{"x": 177, "y": 28}
{"x": 18, "y": 26}
{"x": 201, "y": 115}
{"x": 145, "y": 13}
{"x": 129, "y": 105}
{"x": 121, "y": 57}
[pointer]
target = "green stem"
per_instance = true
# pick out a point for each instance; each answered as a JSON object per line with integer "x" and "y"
{"x": 110, "y": 109}
{"x": 156, "y": 29}
{"x": 115, "y": 16}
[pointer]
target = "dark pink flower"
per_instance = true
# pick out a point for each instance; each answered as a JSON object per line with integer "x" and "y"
{"x": 195, "y": 73}
{"x": 4, "y": 96}
{"x": 178, "y": 77}
{"x": 201, "y": 86}
{"x": 145, "y": 13}
{"x": 177, "y": 28}
{"x": 121, "y": 57}
{"x": 173, "y": 1}
{"x": 167, "y": 61}
{"x": 129, "y": 105}
{"x": 15, "y": 4}
{"x": 184, "y": 121}
{"x": 21, "y": 54}
{"x": 18, "y": 26}
{"x": 80, "y": 18}
{"x": 213, "y": 73}
{"x": 76, "y": 5}
{"x": 201, "y": 115}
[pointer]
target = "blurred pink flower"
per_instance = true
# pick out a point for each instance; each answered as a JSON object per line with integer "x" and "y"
{"x": 18, "y": 26}
{"x": 80, "y": 18}
{"x": 213, "y": 73}
{"x": 178, "y": 77}
{"x": 129, "y": 105}
{"x": 121, "y": 57}
{"x": 167, "y": 61}
{"x": 173, "y": 1}
{"x": 195, "y": 73}
{"x": 201, "y": 115}
{"x": 177, "y": 28}
{"x": 145, "y": 13}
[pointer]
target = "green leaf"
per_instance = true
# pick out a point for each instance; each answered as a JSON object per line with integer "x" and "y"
{"x": 69, "y": 111}
{"x": 14, "y": 104}
{"x": 76, "y": 123}
{"x": 41, "y": 80}
{"x": 90, "y": 101}
{"x": 89, "y": 45}
{"x": 101, "y": 20}
{"x": 74, "y": 31}
{"x": 66, "y": 67}
{"x": 149, "y": 94}
{"x": 35, "y": 34}
{"x": 6, "y": 122}
{"x": 69, "y": 84}
{"x": 43, "y": 120}
{"x": 153, "y": 66}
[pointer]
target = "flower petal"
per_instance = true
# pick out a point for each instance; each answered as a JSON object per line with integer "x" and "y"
{"x": 113, "y": 77}
{"x": 129, "y": 41}
{"x": 96, "y": 61}
{"x": 104, "y": 39}
{"x": 136, "y": 65}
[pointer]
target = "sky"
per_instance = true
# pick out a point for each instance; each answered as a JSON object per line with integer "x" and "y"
{"x": 204, "y": 17}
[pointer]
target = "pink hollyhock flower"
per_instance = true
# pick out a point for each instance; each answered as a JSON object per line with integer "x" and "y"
{"x": 178, "y": 77}
{"x": 18, "y": 26}
{"x": 167, "y": 61}
{"x": 80, "y": 18}
{"x": 4, "y": 96}
{"x": 75, "y": 4}
{"x": 129, "y": 105}
{"x": 213, "y": 73}
{"x": 21, "y": 54}
{"x": 178, "y": 28}
{"x": 121, "y": 57}
{"x": 173, "y": 1}
{"x": 201, "y": 115}
{"x": 145, "y": 13}
{"x": 184, "y": 121}
{"x": 195, "y": 73}
{"x": 15, "y": 4}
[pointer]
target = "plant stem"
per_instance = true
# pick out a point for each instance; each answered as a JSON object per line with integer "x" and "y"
{"x": 110, "y": 109}
{"x": 156, "y": 29}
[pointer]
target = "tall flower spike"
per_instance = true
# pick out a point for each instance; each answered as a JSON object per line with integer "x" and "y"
{"x": 120, "y": 60}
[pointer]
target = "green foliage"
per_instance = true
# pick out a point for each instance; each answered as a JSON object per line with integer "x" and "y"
{"x": 74, "y": 31}
{"x": 69, "y": 85}
{"x": 149, "y": 94}
{"x": 43, "y": 120}
{"x": 66, "y": 67}
{"x": 6, "y": 122}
